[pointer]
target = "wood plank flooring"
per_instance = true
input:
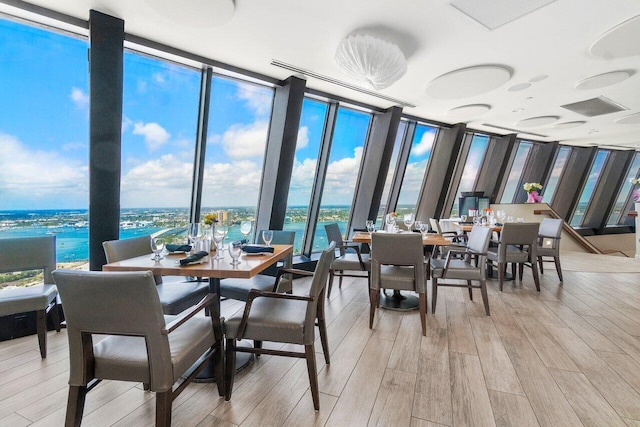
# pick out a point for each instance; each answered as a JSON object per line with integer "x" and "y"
{"x": 569, "y": 355}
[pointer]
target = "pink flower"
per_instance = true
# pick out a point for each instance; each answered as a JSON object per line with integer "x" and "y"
{"x": 534, "y": 197}
{"x": 636, "y": 196}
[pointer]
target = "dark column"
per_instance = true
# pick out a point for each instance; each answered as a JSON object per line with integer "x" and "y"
{"x": 377, "y": 155}
{"x": 491, "y": 178}
{"x": 281, "y": 148}
{"x": 439, "y": 179}
{"x": 105, "y": 127}
{"x": 201, "y": 145}
{"x": 604, "y": 195}
{"x": 572, "y": 181}
{"x": 537, "y": 169}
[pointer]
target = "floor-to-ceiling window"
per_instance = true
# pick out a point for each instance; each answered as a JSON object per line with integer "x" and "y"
{"x": 471, "y": 167}
{"x": 618, "y": 215}
{"x": 587, "y": 191}
{"x": 44, "y": 128}
{"x": 350, "y": 134}
{"x": 393, "y": 165}
{"x": 239, "y": 119}
{"x": 517, "y": 168}
{"x": 160, "y": 111}
{"x": 421, "y": 146}
{"x": 558, "y": 167}
{"x": 312, "y": 123}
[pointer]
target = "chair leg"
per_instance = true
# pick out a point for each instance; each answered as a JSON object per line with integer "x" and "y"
{"x": 55, "y": 316}
{"x": 330, "y": 284}
{"x": 470, "y": 290}
{"x": 422, "y": 302}
{"x": 340, "y": 279}
{"x": 536, "y": 278}
{"x": 556, "y": 260}
{"x": 521, "y": 270}
{"x": 75, "y": 405}
{"x": 485, "y": 297}
{"x": 374, "y": 294}
{"x": 163, "y": 408}
{"x": 310, "y": 355}
{"x": 322, "y": 327}
{"x": 257, "y": 344}
{"x": 501, "y": 275}
{"x": 146, "y": 386}
{"x": 41, "y": 326}
{"x": 230, "y": 365}
{"x": 434, "y": 295}
{"x": 540, "y": 265}
{"x": 218, "y": 367}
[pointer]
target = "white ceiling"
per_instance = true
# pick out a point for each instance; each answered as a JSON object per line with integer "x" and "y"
{"x": 436, "y": 38}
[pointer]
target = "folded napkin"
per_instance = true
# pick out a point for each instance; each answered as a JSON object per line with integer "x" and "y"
{"x": 172, "y": 247}
{"x": 499, "y": 224}
{"x": 254, "y": 249}
{"x": 193, "y": 258}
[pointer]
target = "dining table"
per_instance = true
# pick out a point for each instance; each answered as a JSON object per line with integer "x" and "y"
{"x": 397, "y": 300}
{"x": 213, "y": 269}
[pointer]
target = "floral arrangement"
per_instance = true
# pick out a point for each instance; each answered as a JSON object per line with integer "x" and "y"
{"x": 211, "y": 218}
{"x": 488, "y": 211}
{"x": 635, "y": 181}
{"x": 533, "y": 189}
{"x": 393, "y": 214}
{"x": 636, "y": 193}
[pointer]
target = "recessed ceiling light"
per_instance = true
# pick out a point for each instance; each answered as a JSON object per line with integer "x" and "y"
{"x": 519, "y": 86}
{"x": 537, "y": 121}
{"x": 465, "y": 111}
{"x": 518, "y": 110}
{"x": 467, "y": 82}
{"x": 603, "y": 80}
{"x": 568, "y": 125}
{"x": 615, "y": 43}
{"x": 631, "y": 119}
{"x": 537, "y": 79}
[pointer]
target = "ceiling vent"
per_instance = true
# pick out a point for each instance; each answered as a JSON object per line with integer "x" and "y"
{"x": 495, "y": 13}
{"x": 515, "y": 130}
{"x": 331, "y": 80}
{"x": 595, "y": 107}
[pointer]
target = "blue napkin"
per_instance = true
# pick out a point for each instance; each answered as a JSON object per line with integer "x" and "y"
{"x": 254, "y": 249}
{"x": 193, "y": 258}
{"x": 172, "y": 247}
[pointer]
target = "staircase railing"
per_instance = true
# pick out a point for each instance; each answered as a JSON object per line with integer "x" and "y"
{"x": 572, "y": 232}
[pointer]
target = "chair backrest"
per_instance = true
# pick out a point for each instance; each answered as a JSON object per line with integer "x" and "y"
{"x": 398, "y": 249}
{"x": 550, "y": 227}
{"x": 29, "y": 253}
{"x": 280, "y": 237}
{"x": 525, "y": 234}
{"x": 335, "y": 235}
{"x": 435, "y": 225}
{"x": 479, "y": 239}
{"x": 318, "y": 284}
{"x": 117, "y": 250}
{"x": 113, "y": 303}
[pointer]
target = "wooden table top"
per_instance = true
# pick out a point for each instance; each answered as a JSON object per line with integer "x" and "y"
{"x": 250, "y": 265}
{"x": 467, "y": 227}
{"x": 427, "y": 239}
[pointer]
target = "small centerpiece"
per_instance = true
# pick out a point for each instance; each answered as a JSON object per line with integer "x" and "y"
{"x": 533, "y": 189}
{"x": 210, "y": 221}
{"x": 636, "y": 193}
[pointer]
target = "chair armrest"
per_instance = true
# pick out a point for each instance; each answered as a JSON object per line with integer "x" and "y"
{"x": 356, "y": 248}
{"x": 283, "y": 271}
{"x": 255, "y": 293}
{"x": 189, "y": 313}
{"x": 448, "y": 259}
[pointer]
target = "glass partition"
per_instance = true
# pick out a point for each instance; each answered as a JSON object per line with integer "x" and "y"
{"x": 393, "y": 165}
{"x": 558, "y": 167}
{"x": 471, "y": 167}
{"x": 587, "y": 191}
{"x": 618, "y": 215}
{"x": 517, "y": 169}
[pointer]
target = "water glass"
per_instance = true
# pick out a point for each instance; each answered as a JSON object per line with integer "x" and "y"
{"x": 235, "y": 250}
{"x": 194, "y": 233}
{"x": 509, "y": 219}
{"x": 463, "y": 218}
{"x": 245, "y": 228}
{"x": 219, "y": 234}
{"x": 370, "y": 226}
{"x": 267, "y": 236}
{"x": 157, "y": 246}
{"x": 408, "y": 221}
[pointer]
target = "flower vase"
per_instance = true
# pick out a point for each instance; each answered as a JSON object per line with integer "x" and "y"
{"x": 534, "y": 197}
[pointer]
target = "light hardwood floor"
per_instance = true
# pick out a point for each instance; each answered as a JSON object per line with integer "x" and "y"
{"x": 569, "y": 355}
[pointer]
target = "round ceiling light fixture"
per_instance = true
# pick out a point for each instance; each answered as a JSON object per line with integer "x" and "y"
{"x": 519, "y": 87}
{"x": 569, "y": 125}
{"x": 631, "y": 119}
{"x": 537, "y": 121}
{"x": 618, "y": 41}
{"x": 466, "y": 111}
{"x": 603, "y": 80}
{"x": 467, "y": 82}
{"x": 200, "y": 14}
{"x": 374, "y": 62}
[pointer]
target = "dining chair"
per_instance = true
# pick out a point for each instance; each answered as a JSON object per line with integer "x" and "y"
{"x": 350, "y": 259}
{"x": 518, "y": 245}
{"x": 141, "y": 344}
{"x": 549, "y": 243}
{"x": 458, "y": 240}
{"x": 397, "y": 262}
{"x": 177, "y": 294}
{"x": 31, "y": 253}
{"x": 238, "y": 289}
{"x": 472, "y": 267}
{"x": 283, "y": 318}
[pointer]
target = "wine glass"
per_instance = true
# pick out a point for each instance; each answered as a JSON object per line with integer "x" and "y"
{"x": 370, "y": 226}
{"x": 157, "y": 246}
{"x": 235, "y": 250}
{"x": 391, "y": 222}
{"x": 245, "y": 229}
{"x": 501, "y": 215}
{"x": 418, "y": 224}
{"x": 267, "y": 236}
{"x": 408, "y": 221}
{"x": 219, "y": 234}
{"x": 194, "y": 235}
{"x": 424, "y": 229}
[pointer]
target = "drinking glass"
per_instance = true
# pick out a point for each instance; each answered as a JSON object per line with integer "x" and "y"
{"x": 463, "y": 218}
{"x": 424, "y": 229}
{"x": 219, "y": 234}
{"x": 235, "y": 250}
{"x": 391, "y": 222}
{"x": 370, "y": 226}
{"x": 408, "y": 221}
{"x": 157, "y": 246}
{"x": 509, "y": 219}
{"x": 267, "y": 236}
{"x": 245, "y": 228}
{"x": 501, "y": 215}
{"x": 418, "y": 224}
{"x": 194, "y": 235}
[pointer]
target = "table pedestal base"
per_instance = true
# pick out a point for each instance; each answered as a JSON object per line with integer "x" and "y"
{"x": 207, "y": 375}
{"x": 399, "y": 302}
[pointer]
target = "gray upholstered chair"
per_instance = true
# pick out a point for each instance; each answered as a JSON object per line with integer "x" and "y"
{"x": 549, "y": 243}
{"x": 397, "y": 262}
{"x": 238, "y": 289}
{"x": 458, "y": 241}
{"x": 518, "y": 245}
{"x": 285, "y": 318}
{"x": 350, "y": 258}
{"x": 142, "y": 344}
{"x": 31, "y": 253}
{"x": 471, "y": 267}
{"x": 176, "y": 295}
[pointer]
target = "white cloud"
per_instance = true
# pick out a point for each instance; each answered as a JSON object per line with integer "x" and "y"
{"x": 79, "y": 98}
{"x": 126, "y": 123}
{"x": 39, "y": 178}
{"x": 155, "y": 135}
{"x": 303, "y": 137}
{"x": 257, "y": 98}
{"x": 245, "y": 141}
{"x": 341, "y": 177}
{"x": 425, "y": 144}
{"x": 232, "y": 184}
{"x": 72, "y": 146}
{"x": 159, "y": 78}
{"x": 412, "y": 182}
